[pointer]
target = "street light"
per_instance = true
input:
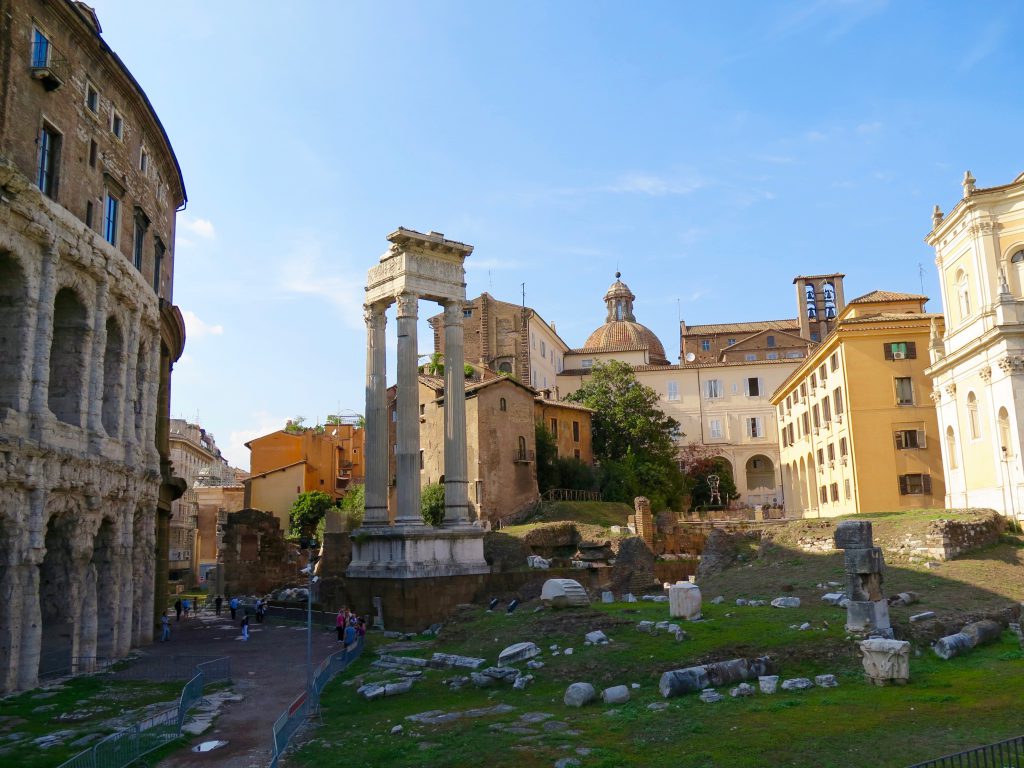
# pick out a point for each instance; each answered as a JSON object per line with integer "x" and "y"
{"x": 311, "y": 545}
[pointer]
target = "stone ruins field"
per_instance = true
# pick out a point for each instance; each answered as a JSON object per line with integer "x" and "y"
{"x": 947, "y": 706}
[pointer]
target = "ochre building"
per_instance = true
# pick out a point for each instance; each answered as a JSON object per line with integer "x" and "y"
{"x": 856, "y": 424}
{"x": 88, "y": 334}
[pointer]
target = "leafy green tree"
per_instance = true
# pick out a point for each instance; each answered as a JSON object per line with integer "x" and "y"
{"x": 432, "y": 504}
{"x": 574, "y": 474}
{"x": 548, "y": 476}
{"x": 308, "y": 510}
{"x": 633, "y": 440}
{"x": 353, "y": 506}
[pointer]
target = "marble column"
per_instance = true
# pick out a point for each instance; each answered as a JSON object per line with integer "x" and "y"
{"x": 456, "y": 498}
{"x": 375, "y": 452}
{"x": 38, "y": 401}
{"x": 407, "y": 459}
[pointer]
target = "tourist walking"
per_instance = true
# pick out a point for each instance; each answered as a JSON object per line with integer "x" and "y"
{"x": 187, "y": 606}
{"x": 234, "y": 606}
{"x": 261, "y": 609}
{"x": 177, "y": 608}
{"x": 245, "y": 627}
{"x": 165, "y": 627}
{"x": 350, "y": 636}
{"x": 340, "y": 623}
{"x": 218, "y": 603}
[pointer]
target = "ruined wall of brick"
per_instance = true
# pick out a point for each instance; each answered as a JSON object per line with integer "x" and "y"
{"x": 256, "y": 557}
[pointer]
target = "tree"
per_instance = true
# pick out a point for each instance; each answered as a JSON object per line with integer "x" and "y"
{"x": 548, "y": 476}
{"x": 432, "y": 504}
{"x": 353, "y": 506}
{"x": 633, "y": 440}
{"x": 308, "y": 510}
{"x": 698, "y": 463}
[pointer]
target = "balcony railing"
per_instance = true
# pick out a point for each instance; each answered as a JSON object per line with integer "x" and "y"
{"x": 49, "y": 65}
{"x": 524, "y": 457}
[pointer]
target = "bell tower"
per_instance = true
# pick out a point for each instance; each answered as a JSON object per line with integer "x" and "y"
{"x": 819, "y": 300}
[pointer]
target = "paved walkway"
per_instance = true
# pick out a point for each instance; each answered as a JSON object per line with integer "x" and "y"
{"x": 269, "y": 671}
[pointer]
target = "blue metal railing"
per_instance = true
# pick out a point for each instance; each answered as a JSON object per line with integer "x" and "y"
{"x": 1002, "y": 754}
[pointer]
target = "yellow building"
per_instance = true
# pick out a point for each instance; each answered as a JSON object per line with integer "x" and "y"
{"x": 978, "y": 366}
{"x": 569, "y": 425}
{"x": 719, "y": 393}
{"x": 294, "y": 460}
{"x": 857, "y": 428}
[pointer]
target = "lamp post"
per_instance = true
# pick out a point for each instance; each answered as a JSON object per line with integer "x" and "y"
{"x": 311, "y": 544}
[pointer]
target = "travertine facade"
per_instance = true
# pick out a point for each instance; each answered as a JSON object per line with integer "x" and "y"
{"x": 87, "y": 338}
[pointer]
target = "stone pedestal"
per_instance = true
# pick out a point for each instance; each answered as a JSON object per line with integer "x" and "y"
{"x": 684, "y": 601}
{"x": 867, "y": 610}
{"x": 413, "y": 552}
{"x": 886, "y": 661}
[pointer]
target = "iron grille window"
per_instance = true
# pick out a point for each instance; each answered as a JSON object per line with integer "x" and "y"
{"x": 49, "y": 154}
{"x": 111, "y": 219}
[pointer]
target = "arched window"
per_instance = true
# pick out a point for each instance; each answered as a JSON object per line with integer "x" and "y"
{"x": 951, "y": 448}
{"x": 505, "y": 367}
{"x": 1005, "y": 440}
{"x": 502, "y": 405}
{"x": 522, "y": 448}
{"x": 972, "y": 416}
{"x": 1017, "y": 268}
{"x": 963, "y": 293}
{"x": 618, "y": 310}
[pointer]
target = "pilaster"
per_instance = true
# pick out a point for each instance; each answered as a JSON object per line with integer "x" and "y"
{"x": 456, "y": 498}
{"x": 408, "y": 454}
{"x": 376, "y": 448}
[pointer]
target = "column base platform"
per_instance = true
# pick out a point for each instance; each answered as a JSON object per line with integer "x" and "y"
{"x": 417, "y": 552}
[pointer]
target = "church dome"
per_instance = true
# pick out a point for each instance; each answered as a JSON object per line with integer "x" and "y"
{"x": 621, "y": 330}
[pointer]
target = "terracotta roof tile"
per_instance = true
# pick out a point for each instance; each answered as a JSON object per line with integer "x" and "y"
{"x": 751, "y": 327}
{"x": 879, "y": 296}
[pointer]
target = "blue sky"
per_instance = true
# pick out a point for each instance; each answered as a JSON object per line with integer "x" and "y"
{"x": 710, "y": 151}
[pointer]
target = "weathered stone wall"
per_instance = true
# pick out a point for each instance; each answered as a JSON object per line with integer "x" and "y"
{"x": 947, "y": 539}
{"x": 256, "y": 557}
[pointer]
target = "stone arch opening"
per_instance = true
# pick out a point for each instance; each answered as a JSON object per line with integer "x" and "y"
{"x": 67, "y": 356}
{"x": 760, "y": 472}
{"x": 113, "y": 387}
{"x": 56, "y": 590}
{"x": 1005, "y": 439}
{"x": 954, "y": 461}
{"x": 801, "y": 479}
{"x": 13, "y": 317}
{"x": 104, "y": 566}
{"x": 811, "y": 484}
{"x": 140, "y": 391}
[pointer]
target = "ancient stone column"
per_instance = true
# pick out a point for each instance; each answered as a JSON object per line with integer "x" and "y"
{"x": 94, "y": 415}
{"x": 375, "y": 453}
{"x": 456, "y": 497}
{"x": 44, "y": 332}
{"x": 149, "y": 409}
{"x": 31, "y": 623}
{"x": 407, "y": 458}
{"x": 128, "y": 436}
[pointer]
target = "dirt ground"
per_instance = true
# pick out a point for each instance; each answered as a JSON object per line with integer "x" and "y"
{"x": 269, "y": 671}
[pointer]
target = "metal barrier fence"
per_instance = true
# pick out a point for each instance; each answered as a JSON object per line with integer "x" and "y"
{"x": 1002, "y": 754}
{"x": 293, "y": 717}
{"x": 178, "y": 667}
{"x": 321, "y": 619}
{"x": 63, "y": 664}
{"x": 129, "y": 744}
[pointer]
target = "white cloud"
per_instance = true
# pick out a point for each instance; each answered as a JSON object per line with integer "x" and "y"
{"x": 197, "y": 329}
{"x": 984, "y": 46}
{"x": 654, "y": 185}
{"x": 305, "y": 272}
{"x": 263, "y": 423}
{"x": 202, "y": 228}
{"x": 873, "y": 127}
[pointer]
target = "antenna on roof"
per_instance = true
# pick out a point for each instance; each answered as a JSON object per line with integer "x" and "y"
{"x": 523, "y": 285}
{"x": 920, "y": 274}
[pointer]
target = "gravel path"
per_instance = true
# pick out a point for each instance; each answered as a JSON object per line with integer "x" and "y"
{"x": 269, "y": 671}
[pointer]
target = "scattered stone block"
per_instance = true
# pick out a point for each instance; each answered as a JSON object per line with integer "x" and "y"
{"x": 826, "y": 681}
{"x": 786, "y": 602}
{"x": 596, "y": 637}
{"x": 522, "y": 681}
{"x": 832, "y": 598}
{"x": 657, "y": 706}
{"x": 371, "y": 691}
{"x": 684, "y": 601}
{"x": 518, "y": 652}
{"x": 630, "y": 598}
{"x": 536, "y": 561}
{"x": 534, "y": 664}
{"x": 757, "y": 603}
{"x": 768, "y": 683}
{"x": 396, "y": 730}
{"x": 564, "y": 593}
{"x": 904, "y": 598}
{"x": 867, "y": 616}
{"x": 710, "y": 696}
{"x": 797, "y": 684}
{"x": 579, "y": 694}
{"x": 617, "y": 694}
{"x": 740, "y": 601}
{"x": 676, "y": 682}
{"x": 886, "y": 661}
{"x": 567, "y": 651}
{"x": 395, "y": 689}
{"x": 717, "y": 600}
{"x": 922, "y": 616}
{"x": 607, "y": 597}
{"x": 862, "y": 561}
{"x": 646, "y": 626}
{"x": 742, "y": 690}
{"x": 805, "y": 626}
{"x": 481, "y": 680}
{"x": 450, "y": 660}
{"x": 567, "y": 762}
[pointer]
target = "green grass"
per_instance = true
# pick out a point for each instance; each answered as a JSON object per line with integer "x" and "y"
{"x": 603, "y": 514}
{"x": 97, "y": 698}
{"x": 948, "y": 705}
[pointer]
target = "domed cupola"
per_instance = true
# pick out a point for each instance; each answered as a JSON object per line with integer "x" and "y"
{"x": 621, "y": 332}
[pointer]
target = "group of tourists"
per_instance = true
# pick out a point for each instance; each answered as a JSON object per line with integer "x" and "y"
{"x": 350, "y": 627}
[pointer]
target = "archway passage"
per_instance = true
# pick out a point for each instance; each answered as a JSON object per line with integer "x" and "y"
{"x": 760, "y": 471}
{"x": 56, "y": 606}
{"x": 67, "y": 357}
{"x": 105, "y": 572}
{"x": 113, "y": 387}
{"x": 13, "y": 316}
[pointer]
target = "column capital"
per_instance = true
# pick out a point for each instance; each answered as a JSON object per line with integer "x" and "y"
{"x": 453, "y": 313}
{"x": 408, "y": 305}
{"x": 374, "y": 314}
